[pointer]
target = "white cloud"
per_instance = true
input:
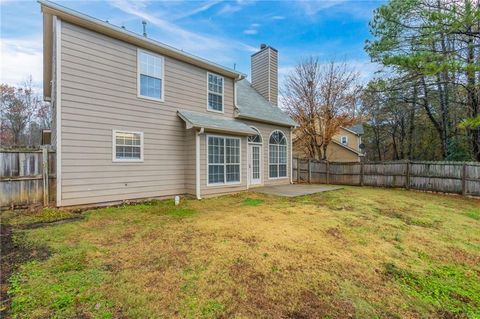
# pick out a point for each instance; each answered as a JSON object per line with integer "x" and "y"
{"x": 235, "y": 7}
{"x": 229, "y": 8}
{"x": 199, "y": 9}
{"x": 365, "y": 68}
{"x": 20, "y": 58}
{"x": 252, "y": 29}
{"x": 184, "y": 38}
{"x": 214, "y": 48}
{"x": 313, "y": 7}
{"x": 278, "y": 17}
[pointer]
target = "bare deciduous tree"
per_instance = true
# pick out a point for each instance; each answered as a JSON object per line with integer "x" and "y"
{"x": 20, "y": 108}
{"x": 321, "y": 98}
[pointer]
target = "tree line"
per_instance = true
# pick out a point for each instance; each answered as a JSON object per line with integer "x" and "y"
{"x": 23, "y": 115}
{"x": 423, "y": 102}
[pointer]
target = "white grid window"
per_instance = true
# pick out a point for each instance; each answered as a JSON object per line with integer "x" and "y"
{"x": 150, "y": 75}
{"x": 127, "y": 146}
{"x": 277, "y": 158}
{"x": 344, "y": 140}
{"x": 215, "y": 92}
{"x": 223, "y": 160}
{"x": 257, "y": 138}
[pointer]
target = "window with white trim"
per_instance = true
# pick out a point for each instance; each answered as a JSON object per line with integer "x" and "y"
{"x": 150, "y": 75}
{"x": 257, "y": 138}
{"x": 223, "y": 160}
{"x": 215, "y": 92}
{"x": 277, "y": 155}
{"x": 127, "y": 146}
{"x": 344, "y": 140}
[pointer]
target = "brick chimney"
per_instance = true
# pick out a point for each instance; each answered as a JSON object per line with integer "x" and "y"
{"x": 265, "y": 73}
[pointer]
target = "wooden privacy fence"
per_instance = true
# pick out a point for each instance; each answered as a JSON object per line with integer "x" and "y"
{"x": 447, "y": 177}
{"x": 27, "y": 178}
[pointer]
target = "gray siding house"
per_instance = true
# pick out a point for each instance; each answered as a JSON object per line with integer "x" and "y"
{"x": 138, "y": 119}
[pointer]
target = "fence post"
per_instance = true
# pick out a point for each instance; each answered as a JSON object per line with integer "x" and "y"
{"x": 328, "y": 171}
{"x": 298, "y": 170}
{"x": 309, "y": 171}
{"x": 361, "y": 173}
{"x": 407, "y": 177}
{"x": 464, "y": 179}
{"x": 45, "y": 175}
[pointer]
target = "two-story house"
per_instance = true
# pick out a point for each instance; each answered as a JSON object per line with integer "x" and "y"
{"x": 346, "y": 145}
{"x": 135, "y": 118}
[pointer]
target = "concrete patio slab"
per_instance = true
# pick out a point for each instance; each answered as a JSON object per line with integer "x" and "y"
{"x": 295, "y": 190}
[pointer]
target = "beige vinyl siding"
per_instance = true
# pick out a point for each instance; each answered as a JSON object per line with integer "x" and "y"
{"x": 338, "y": 153}
{"x": 266, "y": 130}
{"x": 265, "y": 74}
{"x": 260, "y": 73}
{"x": 352, "y": 139}
{"x": 99, "y": 94}
{"x": 274, "y": 77}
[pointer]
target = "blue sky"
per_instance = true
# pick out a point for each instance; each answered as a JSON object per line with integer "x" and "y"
{"x": 224, "y": 32}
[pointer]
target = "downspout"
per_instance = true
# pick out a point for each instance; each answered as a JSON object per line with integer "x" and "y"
{"x": 197, "y": 163}
{"x": 58, "y": 106}
{"x": 291, "y": 155}
{"x": 236, "y": 110}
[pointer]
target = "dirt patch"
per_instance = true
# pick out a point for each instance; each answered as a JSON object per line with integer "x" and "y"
{"x": 334, "y": 232}
{"x": 459, "y": 256}
{"x": 251, "y": 241}
{"x": 52, "y": 223}
{"x": 245, "y": 275}
{"x": 310, "y": 307}
{"x": 14, "y": 253}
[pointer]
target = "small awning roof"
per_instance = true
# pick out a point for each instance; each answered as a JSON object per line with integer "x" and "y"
{"x": 214, "y": 123}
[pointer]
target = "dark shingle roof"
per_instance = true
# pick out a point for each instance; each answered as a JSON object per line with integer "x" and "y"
{"x": 252, "y": 105}
{"x": 357, "y": 128}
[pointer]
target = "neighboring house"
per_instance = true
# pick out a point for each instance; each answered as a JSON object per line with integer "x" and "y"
{"x": 136, "y": 118}
{"x": 344, "y": 147}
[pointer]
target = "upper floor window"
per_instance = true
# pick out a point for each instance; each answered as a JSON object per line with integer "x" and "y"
{"x": 344, "y": 140}
{"x": 127, "y": 146}
{"x": 215, "y": 92}
{"x": 150, "y": 75}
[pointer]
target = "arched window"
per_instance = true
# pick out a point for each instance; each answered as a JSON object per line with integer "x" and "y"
{"x": 277, "y": 155}
{"x": 255, "y": 138}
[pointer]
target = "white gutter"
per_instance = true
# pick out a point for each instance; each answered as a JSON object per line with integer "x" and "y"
{"x": 256, "y": 119}
{"x": 236, "y": 108}
{"x": 197, "y": 163}
{"x": 291, "y": 156}
{"x": 58, "y": 106}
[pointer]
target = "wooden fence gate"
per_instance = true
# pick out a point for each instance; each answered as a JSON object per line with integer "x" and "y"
{"x": 447, "y": 177}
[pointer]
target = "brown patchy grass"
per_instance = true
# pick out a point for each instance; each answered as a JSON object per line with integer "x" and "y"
{"x": 357, "y": 252}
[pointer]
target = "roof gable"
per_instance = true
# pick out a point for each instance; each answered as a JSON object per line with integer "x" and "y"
{"x": 71, "y": 16}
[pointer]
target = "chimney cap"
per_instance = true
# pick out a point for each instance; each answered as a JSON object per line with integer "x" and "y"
{"x": 263, "y": 47}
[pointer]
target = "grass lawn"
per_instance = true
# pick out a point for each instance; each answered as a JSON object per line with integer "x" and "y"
{"x": 356, "y": 252}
